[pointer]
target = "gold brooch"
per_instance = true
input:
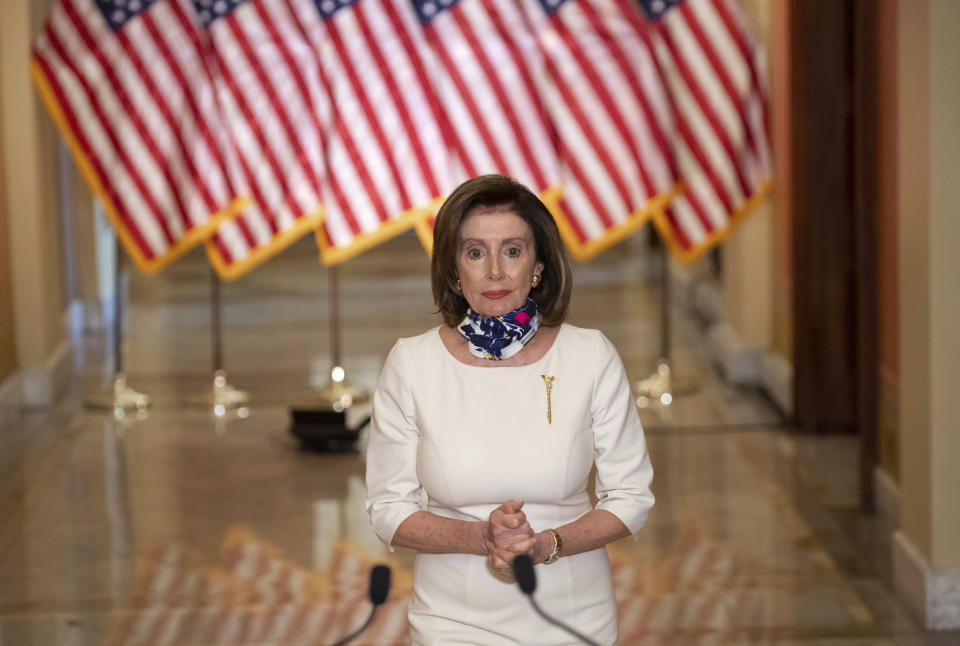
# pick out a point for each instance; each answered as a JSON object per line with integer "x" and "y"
{"x": 548, "y": 381}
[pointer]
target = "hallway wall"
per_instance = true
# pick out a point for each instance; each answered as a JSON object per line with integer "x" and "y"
{"x": 32, "y": 253}
{"x": 8, "y": 350}
{"x": 749, "y": 255}
{"x": 752, "y": 330}
{"x": 927, "y": 547}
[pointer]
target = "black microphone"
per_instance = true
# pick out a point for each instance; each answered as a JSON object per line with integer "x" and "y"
{"x": 523, "y": 571}
{"x": 527, "y": 580}
{"x": 379, "y": 584}
{"x": 378, "y": 592}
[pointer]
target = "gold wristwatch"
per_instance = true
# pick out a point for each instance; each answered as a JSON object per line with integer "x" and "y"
{"x": 557, "y": 546}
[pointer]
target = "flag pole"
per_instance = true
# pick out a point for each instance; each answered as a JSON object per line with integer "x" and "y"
{"x": 337, "y": 394}
{"x": 320, "y": 421}
{"x": 220, "y": 395}
{"x": 118, "y": 395}
{"x": 666, "y": 302}
{"x": 660, "y": 389}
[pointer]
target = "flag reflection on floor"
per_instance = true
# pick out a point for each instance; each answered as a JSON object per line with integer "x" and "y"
{"x": 254, "y": 595}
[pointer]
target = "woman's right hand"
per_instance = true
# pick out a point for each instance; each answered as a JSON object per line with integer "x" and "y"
{"x": 500, "y": 568}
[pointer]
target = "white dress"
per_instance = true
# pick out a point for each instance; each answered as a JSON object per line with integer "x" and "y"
{"x": 473, "y": 437}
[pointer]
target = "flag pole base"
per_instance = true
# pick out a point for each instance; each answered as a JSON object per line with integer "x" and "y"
{"x": 320, "y": 420}
{"x": 118, "y": 396}
{"x": 220, "y": 395}
{"x": 337, "y": 394}
{"x": 661, "y": 389}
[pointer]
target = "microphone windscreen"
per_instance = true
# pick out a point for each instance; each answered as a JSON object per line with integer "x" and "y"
{"x": 379, "y": 584}
{"x": 523, "y": 570}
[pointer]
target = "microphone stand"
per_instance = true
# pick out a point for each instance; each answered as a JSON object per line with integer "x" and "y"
{"x": 527, "y": 580}
{"x": 373, "y": 614}
{"x": 558, "y": 624}
{"x": 379, "y": 590}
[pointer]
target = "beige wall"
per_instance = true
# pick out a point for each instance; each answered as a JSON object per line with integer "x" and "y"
{"x": 750, "y": 263}
{"x": 30, "y": 166}
{"x": 8, "y": 350}
{"x": 913, "y": 170}
{"x": 929, "y": 308}
{"x": 779, "y": 52}
{"x": 84, "y": 243}
{"x": 757, "y": 258}
{"x": 944, "y": 273}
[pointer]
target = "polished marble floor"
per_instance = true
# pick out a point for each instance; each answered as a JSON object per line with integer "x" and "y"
{"x": 179, "y": 527}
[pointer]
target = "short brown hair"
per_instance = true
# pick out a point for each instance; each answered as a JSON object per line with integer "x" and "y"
{"x": 497, "y": 192}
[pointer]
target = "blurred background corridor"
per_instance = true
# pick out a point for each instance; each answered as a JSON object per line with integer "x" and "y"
{"x": 791, "y": 259}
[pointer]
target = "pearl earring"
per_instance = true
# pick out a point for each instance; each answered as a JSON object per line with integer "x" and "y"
{"x": 535, "y": 280}
{"x": 456, "y": 287}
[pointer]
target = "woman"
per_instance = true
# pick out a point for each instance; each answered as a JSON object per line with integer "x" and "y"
{"x": 499, "y": 416}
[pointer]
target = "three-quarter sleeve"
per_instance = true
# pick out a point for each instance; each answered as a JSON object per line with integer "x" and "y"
{"x": 624, "y": 472}
{"x": 393, "y": 488}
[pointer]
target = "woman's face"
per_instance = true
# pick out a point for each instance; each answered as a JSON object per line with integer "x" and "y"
{"x": 496, "y": 262}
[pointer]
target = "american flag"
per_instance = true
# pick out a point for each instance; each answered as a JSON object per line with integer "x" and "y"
{"x": 612, "y": 115}
{"x": 248, "y": 123}
{"x": 387, "y": 162}
{"x": 490, "y": 80}
{"x": 259, "y": 63}
{"x": 133, "y": 102}
{"x": 716, "y": 81}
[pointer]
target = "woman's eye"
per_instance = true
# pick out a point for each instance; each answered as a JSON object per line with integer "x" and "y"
{"x": 514, "y": 252}
{"x": 473, "y": 253}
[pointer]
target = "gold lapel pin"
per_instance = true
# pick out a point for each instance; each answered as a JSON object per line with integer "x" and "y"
{"x": 548, "y": 381}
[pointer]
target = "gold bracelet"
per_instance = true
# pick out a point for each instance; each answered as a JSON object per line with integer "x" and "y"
{"x": 557, "y": 546}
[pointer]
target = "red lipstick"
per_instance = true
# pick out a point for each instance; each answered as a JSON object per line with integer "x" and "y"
{"x": 494, "y": 296}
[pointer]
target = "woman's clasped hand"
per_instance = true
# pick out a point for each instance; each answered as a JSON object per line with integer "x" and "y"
{"x": 508, "y": 535}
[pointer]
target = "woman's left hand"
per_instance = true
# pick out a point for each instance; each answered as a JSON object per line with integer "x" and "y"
{"x": 509, "y": 532}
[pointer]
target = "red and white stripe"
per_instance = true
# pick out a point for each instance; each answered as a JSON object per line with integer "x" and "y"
{"x": 714, "y": 74}
{"x": 490, "y": 79}
{"x": 701, "y": 598}
{"x": 188, "y": 605}
{"x": 136, "y": 103}
{"x": 385, "y": 152}
{"x": 610, "y": 110}
{"x": 269, "y": 109}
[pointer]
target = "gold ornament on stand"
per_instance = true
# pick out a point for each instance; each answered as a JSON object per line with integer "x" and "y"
{"x": 221, "y": 397}
{"x": 119, "y": 397}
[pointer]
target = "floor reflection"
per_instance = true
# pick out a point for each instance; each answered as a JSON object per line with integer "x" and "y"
{"x": 180, "y": 527}
{"x": 253, "y": 594}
